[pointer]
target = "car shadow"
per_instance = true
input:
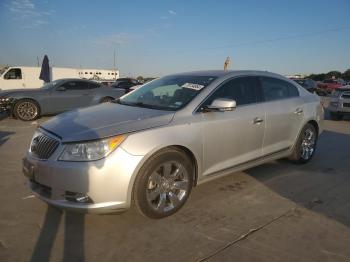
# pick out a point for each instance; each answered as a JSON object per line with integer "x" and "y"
{"x": 74, "y": 223}
{"x": 3, "y": 115}
{"x": 73, "y": 235}
{"x": 4, "y": 136}
{"x": 321, "y": 185}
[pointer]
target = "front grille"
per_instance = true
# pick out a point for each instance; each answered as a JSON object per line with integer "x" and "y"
{"x": 346, "y": 104}
{"x": 43, "y": 146}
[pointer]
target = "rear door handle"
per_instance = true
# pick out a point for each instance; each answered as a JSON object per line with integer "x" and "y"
{"x": 298, "y": 111}
{"x": 257, "y": 120}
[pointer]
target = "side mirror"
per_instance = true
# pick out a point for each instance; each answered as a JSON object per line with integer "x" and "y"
{"x": 61, "y": 88}
{"x": 221, "y": 104}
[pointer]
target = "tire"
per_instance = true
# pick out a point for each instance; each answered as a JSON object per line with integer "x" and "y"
{"x": 163, "y": 184}
{"x": 305, "y": 147}
{"x": 335, "y": 116}
{"x": 26, "y": 110}
{"x": 106, "y": 99}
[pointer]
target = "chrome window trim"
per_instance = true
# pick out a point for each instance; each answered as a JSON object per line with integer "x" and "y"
{"x": 197, "y": 109}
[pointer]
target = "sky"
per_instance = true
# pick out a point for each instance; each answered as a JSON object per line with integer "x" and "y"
{"x": 155, "y": 38}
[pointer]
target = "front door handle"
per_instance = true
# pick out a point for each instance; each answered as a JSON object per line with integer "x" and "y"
{"x": 257, "y": 120}
{"x": 298, "y": 111}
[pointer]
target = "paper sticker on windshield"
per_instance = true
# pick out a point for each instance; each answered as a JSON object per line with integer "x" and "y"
{"x": 193, "y": 86}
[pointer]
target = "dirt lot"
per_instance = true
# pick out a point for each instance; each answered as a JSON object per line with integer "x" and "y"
{"x": 274, "y": 212}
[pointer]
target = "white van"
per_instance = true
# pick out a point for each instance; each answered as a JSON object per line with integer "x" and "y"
{"x": 28, "y": 77}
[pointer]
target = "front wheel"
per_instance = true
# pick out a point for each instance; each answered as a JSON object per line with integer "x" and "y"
{"x": 305, "y": 146}
{"x": 164, "y": 184}
{"x": 26, "y": 110}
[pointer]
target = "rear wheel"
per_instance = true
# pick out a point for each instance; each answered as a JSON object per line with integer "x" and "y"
{"x": 335, "y": 116}
{"x": 26, "y": 110}
{"x": 305, "y": 146}
{"x": 164, "y": 184}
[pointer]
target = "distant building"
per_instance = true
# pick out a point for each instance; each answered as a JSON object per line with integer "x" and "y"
{"x": 296, "y": 76}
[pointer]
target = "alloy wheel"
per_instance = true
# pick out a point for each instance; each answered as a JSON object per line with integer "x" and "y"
{"x": 27, "y": 110}
{"x": 308, "y": 143}
{"x": 167, "y": 186}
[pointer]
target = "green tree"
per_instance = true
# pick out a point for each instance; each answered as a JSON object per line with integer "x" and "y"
{"x": 140, "y": 78}
{"x": 318, "y": 77}
{"x": 346, "y": 75}
{"x": 333, "y": 74}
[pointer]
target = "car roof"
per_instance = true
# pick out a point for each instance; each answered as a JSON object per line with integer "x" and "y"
{"x": 223, "y": 73}
{"x": 76, "y": 79}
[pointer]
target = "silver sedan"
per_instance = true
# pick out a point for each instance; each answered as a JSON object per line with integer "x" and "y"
{"x": 152, "y": 146}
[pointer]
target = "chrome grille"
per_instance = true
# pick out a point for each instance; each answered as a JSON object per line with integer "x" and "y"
{"x": 43, "y": 146}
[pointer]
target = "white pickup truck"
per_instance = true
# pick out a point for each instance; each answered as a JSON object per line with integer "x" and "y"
{"x": 28, "y": 77}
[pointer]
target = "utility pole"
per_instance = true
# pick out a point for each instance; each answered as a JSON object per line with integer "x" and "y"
{"x": 37, "y": 59}
{"x": 115, "y": 71}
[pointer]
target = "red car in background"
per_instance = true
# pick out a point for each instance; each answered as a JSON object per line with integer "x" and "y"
{"x": 329, "y": 85}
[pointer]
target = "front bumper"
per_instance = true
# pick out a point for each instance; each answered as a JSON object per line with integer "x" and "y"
{"x": 6, "y": 105}
{"x": 107, "y": 182}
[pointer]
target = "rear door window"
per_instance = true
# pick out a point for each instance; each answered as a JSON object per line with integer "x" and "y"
{"x": 76, "y": 85}
{"x": 277, "y": 89}
{"x": 95, "y": 85}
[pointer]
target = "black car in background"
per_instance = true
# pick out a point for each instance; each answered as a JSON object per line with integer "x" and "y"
{"x": 309, "y": 84}
{"x": 126, "y": 83}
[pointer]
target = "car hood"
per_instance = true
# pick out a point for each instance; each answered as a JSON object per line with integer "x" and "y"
{"x": 16, "y": 91}
{"x": 105, "y": 120}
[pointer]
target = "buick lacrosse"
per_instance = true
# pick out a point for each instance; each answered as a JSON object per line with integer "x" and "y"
{"x": 149, "y": 148}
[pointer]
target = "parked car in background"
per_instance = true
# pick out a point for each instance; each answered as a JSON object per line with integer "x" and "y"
{"x": 309, "y": 84}
{"x": 339, "y": 104}
{"x": 153, "y": 145}
{"x": 55, "y": 97}
{"x": 126, "y": 84}
{"x": 329, "y": 85}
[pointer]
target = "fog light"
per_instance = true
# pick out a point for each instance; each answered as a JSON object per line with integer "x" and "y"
{"x": 78, "y": 197}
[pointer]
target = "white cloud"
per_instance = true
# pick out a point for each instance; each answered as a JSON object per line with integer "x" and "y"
{"x": 28, "y": 13}
{"x": 170, "y": 14}
{"x": 114, "y": 39}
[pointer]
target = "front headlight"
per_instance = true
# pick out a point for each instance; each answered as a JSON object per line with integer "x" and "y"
{"x": 91, "y": 150}
{"x": 5, "y": 99}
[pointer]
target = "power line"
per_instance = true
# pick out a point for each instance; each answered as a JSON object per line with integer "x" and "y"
{"x": 281, "y": 38}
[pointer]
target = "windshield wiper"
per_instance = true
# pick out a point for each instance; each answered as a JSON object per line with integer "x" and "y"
{"x": 141, "y": 104}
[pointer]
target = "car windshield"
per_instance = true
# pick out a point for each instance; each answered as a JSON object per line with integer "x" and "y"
{"x": 300, "y": 82}
{"x": 167, "y": 93}
{"x": 51, "y": 84}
